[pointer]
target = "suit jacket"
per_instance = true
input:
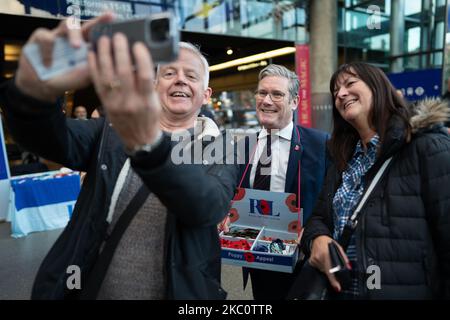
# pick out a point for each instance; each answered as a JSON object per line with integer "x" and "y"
{"x": 312, "y": 153}
{"x": 313, "y": 156}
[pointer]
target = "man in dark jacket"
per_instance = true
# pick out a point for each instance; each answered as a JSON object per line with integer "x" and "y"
{"x": 297, "y": 160}
{"x": 170, "y": 249}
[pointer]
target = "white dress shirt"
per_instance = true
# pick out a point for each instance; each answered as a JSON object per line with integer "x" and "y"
{"x": 281, "y": 145}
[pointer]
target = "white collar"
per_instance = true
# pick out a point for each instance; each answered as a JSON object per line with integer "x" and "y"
{"x": 285, "y": 133}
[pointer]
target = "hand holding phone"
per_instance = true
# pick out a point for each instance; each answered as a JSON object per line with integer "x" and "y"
{"x": 158, "y": 32}
{"x": 51, "y": 53}
{"x": 64, "y": 58}
{"x": 339, "y": 267}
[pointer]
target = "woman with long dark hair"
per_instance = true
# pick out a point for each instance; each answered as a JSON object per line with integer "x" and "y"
{"x": 400, "y": 248}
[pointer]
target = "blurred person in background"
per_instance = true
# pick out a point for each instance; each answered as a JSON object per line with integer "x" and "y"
{"x": 80, "y": 113}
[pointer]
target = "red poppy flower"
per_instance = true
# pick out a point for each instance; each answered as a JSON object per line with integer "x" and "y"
{"x": 240, "y": 193}
{"x": 245, "y": 245}
{"x": 293, "y": 226}
{"x": 249, "y": 257}
{"x": 233, "y": 215}
{"x": 265, "y": 208}
{"x": 290, "y": 202}
{"x": 236, "y": 245}
{"x": 224, "y": 242}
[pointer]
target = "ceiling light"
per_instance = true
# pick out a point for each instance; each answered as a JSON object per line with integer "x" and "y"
{"x": 252, "y": 65}
{"x": 12, "y": 52}
{"x": 229, "y": 52}
{"x": 253, "y": 58}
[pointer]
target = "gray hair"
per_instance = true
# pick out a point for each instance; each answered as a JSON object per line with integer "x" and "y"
{"x": 195, "y": 50}
{"x": 275, "y": 70}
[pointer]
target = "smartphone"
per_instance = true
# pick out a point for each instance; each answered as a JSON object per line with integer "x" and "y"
{"x": 157, "y": 31}
{"x": 339, "y": 267}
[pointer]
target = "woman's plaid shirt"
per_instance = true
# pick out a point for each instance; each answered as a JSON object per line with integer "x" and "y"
{"x": 348, "y": 196}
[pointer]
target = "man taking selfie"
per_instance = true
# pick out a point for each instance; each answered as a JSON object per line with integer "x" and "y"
{"x": 143, "y": 227}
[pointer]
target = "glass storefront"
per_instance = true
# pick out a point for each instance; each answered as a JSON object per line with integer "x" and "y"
{"x": 282, "y": 20}
{"x": 396, "y": 35}
{"x": 255, "y": 19}
{"x": 446, "y": 69}
{"x": 234, "y": 109}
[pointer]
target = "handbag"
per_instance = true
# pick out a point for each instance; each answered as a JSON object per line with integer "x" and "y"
{"x": 311, "y": 283}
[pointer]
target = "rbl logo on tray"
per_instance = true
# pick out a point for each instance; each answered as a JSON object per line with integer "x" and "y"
{"x": 262, "y": 207}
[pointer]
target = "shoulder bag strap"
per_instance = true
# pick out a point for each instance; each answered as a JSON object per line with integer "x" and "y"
{"x": 98, "y": 273}
{"x": 352, "y": 222}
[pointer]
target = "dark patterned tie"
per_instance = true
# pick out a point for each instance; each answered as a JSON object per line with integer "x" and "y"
{"x": 262, "y": 174}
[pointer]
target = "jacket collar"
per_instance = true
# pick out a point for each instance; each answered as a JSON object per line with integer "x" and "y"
{"x": 285, "y": 133}
{"x": 206, "y": 127}
{"x": 295, "y": 153}
{"x": 429, "y": 114}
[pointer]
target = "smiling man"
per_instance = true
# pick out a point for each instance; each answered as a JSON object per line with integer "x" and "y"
{"x": 181, "y": 100}
{"x": 143, "y": 227}
{"x": 293, "y": 149}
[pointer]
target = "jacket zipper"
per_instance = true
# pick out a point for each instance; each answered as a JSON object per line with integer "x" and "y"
{"x": 426, "y": 269}
{"x": 62, "y": 278}
{"x": 102, "y": 141}
{"x": 384, "y": 211}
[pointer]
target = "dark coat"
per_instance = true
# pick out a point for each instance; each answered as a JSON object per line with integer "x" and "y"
{"x": 197, "y": 198}
{"x": 404, "y": 227}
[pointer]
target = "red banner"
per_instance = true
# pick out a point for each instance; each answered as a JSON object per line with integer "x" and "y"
{"x": 304, "y": 93}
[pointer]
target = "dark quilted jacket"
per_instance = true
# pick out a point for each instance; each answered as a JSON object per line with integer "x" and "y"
{"x": 405, "y": 224}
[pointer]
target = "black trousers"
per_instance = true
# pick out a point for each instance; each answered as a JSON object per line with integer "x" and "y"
{"x": 270, "y": 285}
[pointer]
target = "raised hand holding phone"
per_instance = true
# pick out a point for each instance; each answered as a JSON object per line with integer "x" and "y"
{"x": 42, "y": 82}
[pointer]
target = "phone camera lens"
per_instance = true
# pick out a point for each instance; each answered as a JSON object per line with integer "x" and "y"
{"x": 160, "y": 30}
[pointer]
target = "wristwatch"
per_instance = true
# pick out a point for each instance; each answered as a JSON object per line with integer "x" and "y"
{"x": 145, "y": 148}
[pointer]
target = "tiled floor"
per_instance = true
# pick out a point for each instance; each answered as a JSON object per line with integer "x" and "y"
{"x": 20, "y": 260}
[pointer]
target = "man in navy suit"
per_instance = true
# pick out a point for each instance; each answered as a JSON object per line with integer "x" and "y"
{"x": 291, "y": 146}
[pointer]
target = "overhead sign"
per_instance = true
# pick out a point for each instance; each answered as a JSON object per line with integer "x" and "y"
{"x": 418, "y": 85}
{"x": 83, "y": 9}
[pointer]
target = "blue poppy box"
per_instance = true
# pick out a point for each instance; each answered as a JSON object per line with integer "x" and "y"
{"x": 263, "y": 232}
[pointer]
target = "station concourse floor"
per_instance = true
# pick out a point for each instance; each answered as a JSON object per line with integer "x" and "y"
{"x": 21, "y": 258}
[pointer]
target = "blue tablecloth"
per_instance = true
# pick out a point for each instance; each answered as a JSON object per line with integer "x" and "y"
{"x": 42, "y": 202}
